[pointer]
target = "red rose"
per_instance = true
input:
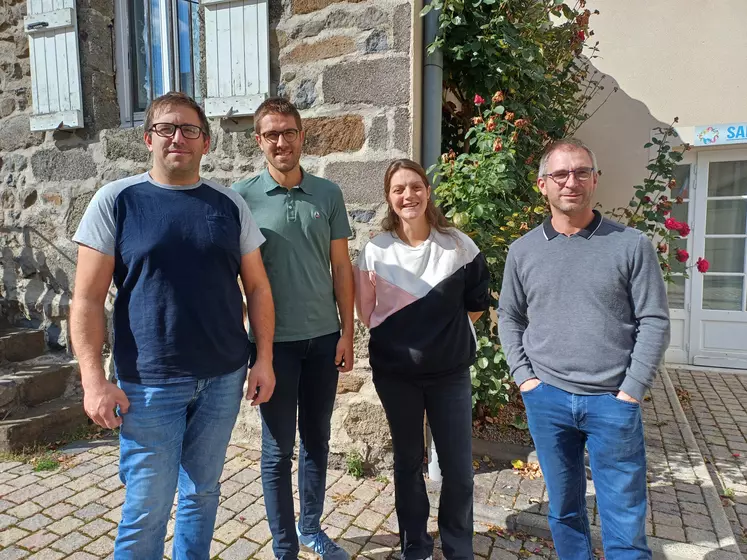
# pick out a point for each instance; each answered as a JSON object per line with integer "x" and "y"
{"x": 671, "y": 223}
{"x": 663, "y": 247}
{"x": 479, "y": 100}
{"x": 682, "y": 255}
{"x": 702, "y": 265}
{"x": 684, "y": 229}
{"x": 646, "y": 199}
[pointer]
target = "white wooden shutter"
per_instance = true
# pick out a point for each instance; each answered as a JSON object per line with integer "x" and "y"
{"x": 237, "y": 56}
{"x": 52, "y": 27}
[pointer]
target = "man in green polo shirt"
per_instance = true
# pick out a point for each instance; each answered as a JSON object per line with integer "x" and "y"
{"x": 304, "y": 221}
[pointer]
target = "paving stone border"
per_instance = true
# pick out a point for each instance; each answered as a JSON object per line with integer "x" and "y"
{"x": 716, "y": 411}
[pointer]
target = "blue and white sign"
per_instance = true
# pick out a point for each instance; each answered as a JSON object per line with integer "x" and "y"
{"x": 720, "y": 134}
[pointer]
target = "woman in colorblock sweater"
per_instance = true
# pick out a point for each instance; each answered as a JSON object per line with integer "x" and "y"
{"x": 419, "y": 286}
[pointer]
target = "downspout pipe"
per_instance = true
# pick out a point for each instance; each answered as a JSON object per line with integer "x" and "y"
{"x": 433, "y": 66}
{"x": 433, "y": 71}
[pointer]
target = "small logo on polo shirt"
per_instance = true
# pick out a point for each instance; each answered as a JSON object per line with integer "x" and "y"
{"x": 317, "y": 215}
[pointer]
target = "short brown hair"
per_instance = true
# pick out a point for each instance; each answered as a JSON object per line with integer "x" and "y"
{"x": 171, "y": 99}
{"x": 276, "y": 106}
{"x": 569, "y": 143}
{"x": 433, "y": 214}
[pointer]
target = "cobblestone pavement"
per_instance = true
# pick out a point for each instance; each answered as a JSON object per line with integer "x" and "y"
{"x": 684, "y": 507}
{"x": 72, "y": 512}
{"x": 716, "y": 408}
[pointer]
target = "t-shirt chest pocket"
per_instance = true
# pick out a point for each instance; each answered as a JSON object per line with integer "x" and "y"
{"x": 224, "y": 232}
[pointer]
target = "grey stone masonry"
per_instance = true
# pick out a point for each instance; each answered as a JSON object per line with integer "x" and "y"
{"x": 347, "y": 65}
{"x": 716, "y": 408}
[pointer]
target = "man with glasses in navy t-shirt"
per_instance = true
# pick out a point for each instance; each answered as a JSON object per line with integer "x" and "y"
{"x": 174, "y": 244}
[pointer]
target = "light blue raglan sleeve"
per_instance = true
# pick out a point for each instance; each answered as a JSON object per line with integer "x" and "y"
{"x": 97, "y": 228}
{"x": 251, "y": 238}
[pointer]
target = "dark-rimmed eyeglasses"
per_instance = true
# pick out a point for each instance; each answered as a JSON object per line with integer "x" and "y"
{"x": 581, "y": 174}
{"x": 273, "y": 136}
{"x": 167, "y": 130}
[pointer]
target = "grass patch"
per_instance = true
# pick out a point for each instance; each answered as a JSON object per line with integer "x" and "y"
{"x": 46, "y": 463}
{"x": 382, "y": 478}
{"x": 46, "y": 457}
{"x": 354, "y": 463}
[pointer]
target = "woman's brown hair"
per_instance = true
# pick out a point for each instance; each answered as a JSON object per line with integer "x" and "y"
{"x": 433, "y": 214}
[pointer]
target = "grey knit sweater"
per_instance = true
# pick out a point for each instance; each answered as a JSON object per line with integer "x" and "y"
{"x": 586, "y": 313}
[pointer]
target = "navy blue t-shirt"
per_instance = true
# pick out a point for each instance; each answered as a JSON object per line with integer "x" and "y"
{"x": 177, "y": 255}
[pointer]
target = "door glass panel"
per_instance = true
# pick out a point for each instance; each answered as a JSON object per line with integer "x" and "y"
{"x": 726, "y": 216}
{"x": 676, "y": 292}
{"x": 722, "y": 292}
{"x": 682, "y": 182}
{"x": 677, "y": 267}
{"x": 727, "y": 178}
{"x": 725, "y": 255}
{"x": 679, "y": 211}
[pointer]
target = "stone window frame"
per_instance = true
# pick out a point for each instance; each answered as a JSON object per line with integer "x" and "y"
{"x": 129, "y": 117}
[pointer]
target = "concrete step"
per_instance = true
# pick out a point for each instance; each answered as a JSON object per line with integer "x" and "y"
{"x": 17, "y": 345}
{"x": 41, "y": 424}
{"x": 32, "y": 382}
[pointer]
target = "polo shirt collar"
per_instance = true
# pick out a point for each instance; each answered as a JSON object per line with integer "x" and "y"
{"x": 586, "y": 232}
{"x": 270, "y": 183}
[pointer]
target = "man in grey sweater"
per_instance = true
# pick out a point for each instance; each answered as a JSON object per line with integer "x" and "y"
{"x": 584, "y": 323}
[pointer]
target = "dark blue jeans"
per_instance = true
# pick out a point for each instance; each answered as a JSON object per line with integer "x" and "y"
{"x": 448, "y": 404}
{"x": 562, "y": 424}
{"x": 306, "y": 380}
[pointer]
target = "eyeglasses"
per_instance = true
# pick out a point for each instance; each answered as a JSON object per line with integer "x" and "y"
{"x": 167, "y": 130}
{"x": 581, "y": 174}
{"x": 273, "y": 136}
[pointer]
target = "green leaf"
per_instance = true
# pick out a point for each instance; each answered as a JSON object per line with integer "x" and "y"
{"x": 427, "y": 8}
{"x": 482, "y": 363}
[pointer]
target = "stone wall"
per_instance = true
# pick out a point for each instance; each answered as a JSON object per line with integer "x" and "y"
{"x": 346, "y": 65}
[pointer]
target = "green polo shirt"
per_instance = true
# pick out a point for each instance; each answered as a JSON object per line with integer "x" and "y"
{"x": 298, "y": 224}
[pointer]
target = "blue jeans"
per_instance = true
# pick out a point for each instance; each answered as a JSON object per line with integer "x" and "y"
{"x": 306, "y": 380}
{"x": 448, "y": 404}
{"x": 562, "y": 424}
{"x": 174, "y": 436}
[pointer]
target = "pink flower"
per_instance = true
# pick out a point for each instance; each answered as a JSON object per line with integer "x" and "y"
{"x": 684, "y": 229}
{"x": 702, "y": 265}
{"x": 682, "y": 255}
{"x": 671, "y": 223}
{"x": 479, "y": 100}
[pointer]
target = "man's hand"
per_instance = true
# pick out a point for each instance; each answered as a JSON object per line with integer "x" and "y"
{"x": 99, "y": 401}
{"x": 623, "y": 396}
{"x": 344, "y": 355}
{"x": 261, "y": 383}
{"x": 529, "y": 384}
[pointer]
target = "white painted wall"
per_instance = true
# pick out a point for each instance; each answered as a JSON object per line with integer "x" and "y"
{"x": 670, "y": 58}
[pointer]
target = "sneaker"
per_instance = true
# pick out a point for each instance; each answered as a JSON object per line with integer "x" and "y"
{"x": 322, "y": 545}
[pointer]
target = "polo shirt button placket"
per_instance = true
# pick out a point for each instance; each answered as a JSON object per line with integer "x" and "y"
{"x": 291, "y": 214}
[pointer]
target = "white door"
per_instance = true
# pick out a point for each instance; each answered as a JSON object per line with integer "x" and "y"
{"x": 718, "y": 299}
